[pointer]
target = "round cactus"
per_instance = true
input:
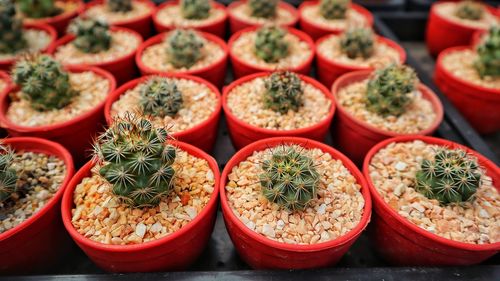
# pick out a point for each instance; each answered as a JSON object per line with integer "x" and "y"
{"x": 270, "y": 44}
{"x": 38, "y": 8}
{"x": 184, "y": 48}
{"x": 11, "y": 29}
{"x": 334, "y": 9}
{"x": 469, "y": 10}
{"x": 358, "y": 43}
{"x": 92, "y": 36}
{"x": 263, "y": 8}
{"x": 195, "y": 9}
{"x": 119, "y": 6}
{"x": 160, "y": 97}
{"x": 8, "y": 176}
{"x": 488, "y": 62}
{"x": 283, "y": 92}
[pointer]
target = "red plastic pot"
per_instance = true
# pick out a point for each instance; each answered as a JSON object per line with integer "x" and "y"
{"x": 403, "y": 243}
{"x": 479, "y": 105}
{"x": 123, "y": 68}
{"x": 242, "y": 68}
{"x": 40, "y": 241}
{"x": 355, "y": 137}
{"x": 202, "y": 135}
{"x": 175, "y": 251}
{"x": 242, "y": 133}
{"x": 236, "y": 24}
{"x": 6, "y": 64}
{"x": 263, "y": 253}
{"x": 329, "y": 70}
{"x": 141, "y": 25}
{"x": 75, "y": 134}
{"x": 60, "y": 22}
{"x": 5, "y": 77}
{"x": 317, "y": 31}
{"x": 215, "y": 73}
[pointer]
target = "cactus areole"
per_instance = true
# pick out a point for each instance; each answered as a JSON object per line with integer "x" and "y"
{"x": 270, "y": 44}
{"x": 488, "y": 62}
{"x": 92, "y": 36}
{"x": 283, "y": 92}
{"x": 184, "y": 48}
{"x": 358, "y": 43}
{"x": 160, "y": 97}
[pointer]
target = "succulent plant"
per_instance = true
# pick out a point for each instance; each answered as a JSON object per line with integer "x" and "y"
{"x": 334, "y": 9}
{"x": 263, "y": 8}
{"x": 290, "y": 178}
{"x": 488, "y": 62}
{"x": 195, "y": 9}
{"x": 119, "y": 6}
{"x": 136, "y": 160}
{"x": 92, "y": 36}
{"x": 43, "y": 82}
{"x": 38, "y": 8}
{"x": 11, "y": 29}
{"x": 184, "y": 48}
{"x": 8, "y": 176}
{"x": 283, "y": 92}
{"x": 389, "y": 90}
{"x": 160, "y": 97}
{"x": 453, "y": 176}
{"x": 469, "y": 10}
{"x": 270, "y": 44}
{"x": 358, "y": 43}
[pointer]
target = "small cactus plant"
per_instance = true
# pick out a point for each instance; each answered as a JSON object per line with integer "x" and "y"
{"x": 334, "y": 9}
{"x": 136, "y": 161}
{"x": 11, "y": 29}
{"x": 119, "y": 6}
{"x": 388, "y": 91}
{"x": 283, "y": 92}
{"x": 38, "y": 8}
{"x": 452, "y": 177}
{"x": 92, "y": 36}
{"x": 184, "y": 48}
{"x": 488, "y": 62}
{"x": 358, "y": 43}
{"x": 469, "y": 10}
{"x": 195, "y": 9}
{"x": 160, "y": 97}
{"x": 8, "y": 176}
{"x": 43, "y": 82}
{"x": 289, "y": 179}
{"x": 263, "y": 8}
{"x": 270, "y": 44}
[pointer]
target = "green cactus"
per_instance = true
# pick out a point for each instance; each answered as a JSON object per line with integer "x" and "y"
{"x": 334, "y": 9}
{"x": 389, "y": 90}
{"x": 488, "y": 62}
{"x": 160, "y": 97}
{"x": 184, "y": 48}
{"x": 270, "y": 44}
{"x": 43, "y": 82}
{"x": 469, "y": 10}
{"x": 38, "y": 8}
{"x": 8, "y": 176}
{"x": 92, "y": 36}
{"x": 119, "y": 6}
{"x": 283, "y": 92}
{"x": 263, "y": 8}
{"x": 290, "y": 178}
{"x": 11, "y": 29}
{"x": 358, "y": 43}
{"x": 195, "y": 9}
{"x": 136, "y": 160}
{"x": 452, "y": 177}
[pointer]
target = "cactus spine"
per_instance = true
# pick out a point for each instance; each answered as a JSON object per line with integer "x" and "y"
{"x": 160, "y": 97}
{"x": 38, "y": 8}
{"x": 119, "y": 6}
{"x": 334, "y": 9}
{"x": 263, "y": 8}
{"x": 270, "y": 44}
{"x": 469, "y": 10}
{"x": 184, "y": 48}
{"x": 195, "y": 9}
{"x": 283, "y": 92}
{"x": 11, "y": 29}
{"x": 8, "y": 176}
{"x": 488, "y": 62}
{"x": 92, "y": 36}
{"x": 358, "y": 43}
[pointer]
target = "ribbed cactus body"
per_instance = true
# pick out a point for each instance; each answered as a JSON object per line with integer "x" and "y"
{"x": 195, "y": 9}
{"x": 263, "y": 8}
{"x": 469, "y": 10}
{"x": 160, "y": 97}
{"x": 92, "y": 36}
{"x": 119, "y": 6}
{"x": 283, "y": 92}
{"x": 8, "y": 176}
{"x": 270, "y": 44}
{"x": 334, "y": 9}
{"x": 488, "y": 62}
{"x": 184, "y": 48}
{"x": 38, "y": 8}
{"x": 11, "y": 29}
{"x": 358, "y": 43}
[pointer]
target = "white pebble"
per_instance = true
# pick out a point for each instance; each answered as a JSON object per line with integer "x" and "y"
{"x": 251, "y": 225}
{"x": 400, "y": 166}
{"x": 156, "y": 227}
{"x": 140, "y": 230}
{"x": 280, "y": 224}
{"x": 268, "y": 230}
{"x": 483, "y": 213}
{"x": 322, "y": 209}
{"x": 43, "y": 194}
{"x": 325, "y": 236}
{"x": 191, "y": 211}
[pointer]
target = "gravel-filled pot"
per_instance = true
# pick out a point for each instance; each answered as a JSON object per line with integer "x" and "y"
{"x": 319, "y": 18}
{"x": 204, "y": 15}
{"x": 34, "y": 174}
{"x": 189, "y": 106}
{"x": 264, "y": 105}
{"x": 375, "y": 105}
{"x": 437, "y": 203}
{"x": 71, "y": 117}
{"x": 268, "y": 48}
{"x": 184, "y": 51}
{"x": 159, "y": 216}
{"x": 309, "y": 222}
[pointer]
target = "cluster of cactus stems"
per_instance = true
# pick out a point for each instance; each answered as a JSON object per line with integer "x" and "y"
{"x": 119, "y": 6}
{"x": 334, "y": 9}
{"x": 184, "y": 48}
{"x": 358, "y": 43}
{"x": 283, "y": 92}
{"x": 290, "y": 178}
{"x": 160, "y": 97}
{"x": 270, "y": 44}
{"x": 263, "y": 8}
{"x": 136, "y": 160}
{"x": 453, "y": 176}
{"x": 470, "y": 10}
{"x": 11, "y": 29}
{"x": 44, "y": 83}
{"x": 38, "y": 8}
{"x": 92, "y": 36}
{"x": 8, "y": 176}
{"x": 488, "y": 62}
{"x": 389, "y": 90}
{"x": 195, "y": 9}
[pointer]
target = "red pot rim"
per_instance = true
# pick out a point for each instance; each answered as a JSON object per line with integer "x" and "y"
{"x": 6, "y": 78}
{"x": 426, "y": 91}
{"x": 215, "y": 5}
{"x": 69, "y": 37}
{"x": 301, "y": 35}
{"x": 133, "y": 20}
{"x": 61, "y": 17}
{"x": 114, "y": 96}
{"x": 324, "y": 122}
{"x": 434, "y": 6}
{"x": 67, "y": 206}
{"x": 281, "y": 4}
{"x": 379, "y": 201}
{"x": 266, "y": 143}
{"x": 157, "y": 39}
{"x": 9, "y": 125}
{"x": 42, "y": 146}
{"x": 458, "y": 80}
